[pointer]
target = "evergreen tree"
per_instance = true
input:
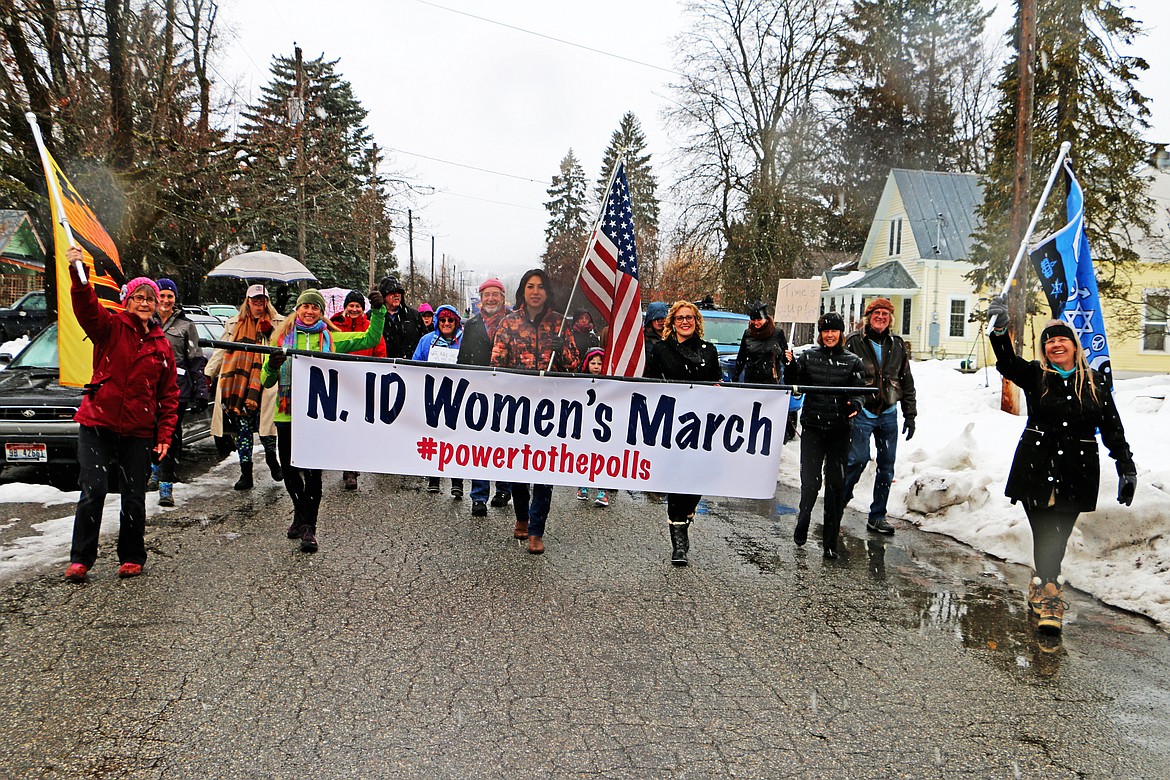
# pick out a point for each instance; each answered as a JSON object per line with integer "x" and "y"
{"x": 306, "y": 174}
{"x": 568, "y": 226}
{"x": 630, "y": 141}
{"x": 904, "y": 61}
{"x": 1085, "y": 93}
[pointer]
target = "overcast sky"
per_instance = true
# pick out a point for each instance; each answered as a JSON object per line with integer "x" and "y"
{"x": 448, "y": 94}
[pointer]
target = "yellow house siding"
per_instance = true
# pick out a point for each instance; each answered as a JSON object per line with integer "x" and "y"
{"x": 1127, "y": 351}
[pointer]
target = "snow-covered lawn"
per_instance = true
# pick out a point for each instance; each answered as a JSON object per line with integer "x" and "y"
{"x": 950, "y": 477}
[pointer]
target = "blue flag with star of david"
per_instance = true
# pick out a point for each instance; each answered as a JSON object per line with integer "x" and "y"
{"x": 1064, "y": 266}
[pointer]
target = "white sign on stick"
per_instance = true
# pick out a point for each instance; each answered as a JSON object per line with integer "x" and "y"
{"x": 449, "y": 421}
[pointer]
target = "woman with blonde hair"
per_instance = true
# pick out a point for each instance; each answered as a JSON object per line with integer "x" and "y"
{"x": 684, "y": 356}
{"x": 241, "y": 404}
{"x": 1056, "y": 471}
{"x": 308, "y": 328}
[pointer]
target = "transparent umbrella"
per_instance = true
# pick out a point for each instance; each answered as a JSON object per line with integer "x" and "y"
{"x": 272, "y": 266}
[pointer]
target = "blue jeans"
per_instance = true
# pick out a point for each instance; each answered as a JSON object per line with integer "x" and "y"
{"x": 884, "y": 430}
{"x": 535, "y": 513}
{"x": 481, "y": 488}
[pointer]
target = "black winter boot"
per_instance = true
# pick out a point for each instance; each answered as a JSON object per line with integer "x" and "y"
{"x": 273, "y": 463}
{"x": 679, "y": 542}
{"x": 245, "y": 480}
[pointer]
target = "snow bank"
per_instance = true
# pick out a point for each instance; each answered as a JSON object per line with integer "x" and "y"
{"x": 950, "y": 477}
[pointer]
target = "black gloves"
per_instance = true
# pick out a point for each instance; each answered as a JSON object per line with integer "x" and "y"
{"x": 556, "y": 343}
{"x": 376, "y": 301}
{"x": 854, "y": 408}
{"x": 908, "y": 428}
{"x": 1127, "y": 484}
{"x": 997, "y": 313}
{"x": 276, "y": 360}
{"x": 198, "y": 406}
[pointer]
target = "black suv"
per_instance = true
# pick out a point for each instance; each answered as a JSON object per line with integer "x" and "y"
{"x": 36, "y": 413}
{"x": 26, "y": 317}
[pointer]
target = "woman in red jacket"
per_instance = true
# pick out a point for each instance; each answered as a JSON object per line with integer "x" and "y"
{"x": 129, "y": 407}
{"x": 353, "y": 319}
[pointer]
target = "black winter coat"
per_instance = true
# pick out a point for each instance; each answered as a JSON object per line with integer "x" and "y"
{"x": 761, "y": 360}
{"x": 1057, "y": 456}
{"x": 892, "y": 378}
{"x": 692, "y": 360}
{"x": 402, "y": 331}
{"x": 189, "y": 359}
{"x": 475, "y": 349}
{"x": 825, "y": 367}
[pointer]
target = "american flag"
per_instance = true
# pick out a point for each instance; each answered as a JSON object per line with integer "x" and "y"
{"x": 609, "y": 278}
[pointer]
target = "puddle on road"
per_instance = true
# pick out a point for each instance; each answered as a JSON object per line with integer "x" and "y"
{"x": 931, "y": 583}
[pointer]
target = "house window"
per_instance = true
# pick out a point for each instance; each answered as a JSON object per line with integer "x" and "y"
{"x": 1154, "y": 320}
{"x": 905, "y": 316}
{"x": 958, "y": 319}
{"x": 895, "y": 237}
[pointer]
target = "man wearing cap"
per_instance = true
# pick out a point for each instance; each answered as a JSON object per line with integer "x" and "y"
{"x": 476, "y": 350}
{"x": 887, "y": 367}
{"x": 404, "y": 326}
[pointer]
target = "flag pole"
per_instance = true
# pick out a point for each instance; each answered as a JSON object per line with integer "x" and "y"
{"x": 585, "y": 255}
{"x": 54, "y": 191}
{"x": 1007, "y": 285}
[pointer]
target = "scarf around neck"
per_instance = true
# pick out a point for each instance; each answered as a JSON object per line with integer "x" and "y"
{"x": 320, "y": 327}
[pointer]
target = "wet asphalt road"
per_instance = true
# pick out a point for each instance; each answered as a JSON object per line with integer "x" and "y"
{"x": 420, "y": 642}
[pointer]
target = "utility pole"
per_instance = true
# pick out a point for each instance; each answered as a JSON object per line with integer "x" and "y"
{"x": 297, "y": 114}
{"x": 410, "y": 239}
{"x": 374, "y": 209}
{"x": 432, "y": 264}
{"x": 1021, "y": 210}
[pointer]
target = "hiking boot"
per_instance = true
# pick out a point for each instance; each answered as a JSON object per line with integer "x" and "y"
{"x": 273, "y": 462}
{"x": 1035, "y": 595}
{"x": 582, "y": 494}
{"x": 880, "y": 526}
{"x": 602, "y": 499}
{"x": 535, "y": 545}
{"x": 501, "y": 499}
{"x": 457, "y": 490}
{"x": 830, "y": 553}
{"x": 478, "y": 509}
{"x": 679, "y": 543}
{"x": 152, "y": 483}
{"x": 76, "y": 572}
{"x": 521, "y": 530}
{"x": 166, "y": 494}
{"x": 245, "y": 480}
{"x": 308, "y": 541}
{"x": 432, "y": 484}
{"x": 295, "y": 530}
{"x": 350, "y": 480}
{"x": 129, "y": 570}
{"x": 1052, "y": 607}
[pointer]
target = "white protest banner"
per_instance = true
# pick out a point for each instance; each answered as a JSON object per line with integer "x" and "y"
{"x": 449, "y": 421}
{"x": 798, "y": 300}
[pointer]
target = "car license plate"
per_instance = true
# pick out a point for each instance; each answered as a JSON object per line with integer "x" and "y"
{"x": 26, "y": 453}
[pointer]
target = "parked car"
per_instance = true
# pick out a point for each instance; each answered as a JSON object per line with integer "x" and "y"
{"x": 209, "y": 327}
{"x": 36, "y": 413}
{"x": 26, "y": 317}
{"x": 724, "y": 329}
{"x": 222, "y": 310}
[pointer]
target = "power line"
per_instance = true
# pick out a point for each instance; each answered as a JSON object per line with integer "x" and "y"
{"x": 488, "y": 200}
{"x": 550, "y": 37}
{"x": 471, "y": 167}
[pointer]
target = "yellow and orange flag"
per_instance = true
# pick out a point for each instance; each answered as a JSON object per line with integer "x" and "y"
{"x": 74, "y": 223}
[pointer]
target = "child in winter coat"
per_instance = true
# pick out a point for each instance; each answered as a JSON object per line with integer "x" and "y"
{"x": 594, "y": 362}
